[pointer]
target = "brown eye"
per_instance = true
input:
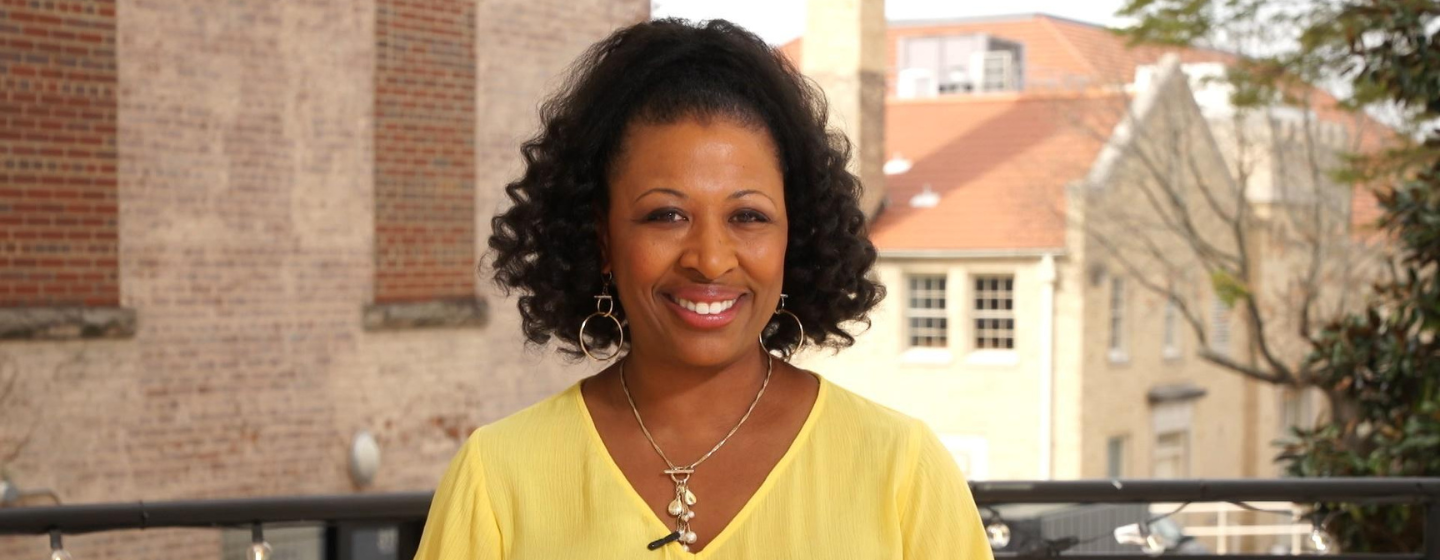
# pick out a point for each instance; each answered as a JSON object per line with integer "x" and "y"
{"x": 750, "y": 216}
{"x": 665, "y": 215}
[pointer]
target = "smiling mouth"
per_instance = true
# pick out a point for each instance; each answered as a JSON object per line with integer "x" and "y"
{"x": 705, "y": 315}
{"x": 706, "y": 308}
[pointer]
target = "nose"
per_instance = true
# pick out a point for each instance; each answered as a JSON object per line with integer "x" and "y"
{"x": 709, "y": 250}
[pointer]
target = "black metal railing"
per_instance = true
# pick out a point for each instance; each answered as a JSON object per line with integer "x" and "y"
{"x": 405, "y": 513}
{"x": 1419, "y": 492}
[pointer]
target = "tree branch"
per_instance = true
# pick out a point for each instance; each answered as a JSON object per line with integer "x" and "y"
{"x": 1228, "y": 363}
{"x": 1134, "y": 273}
{"x": 1181, "y": 222}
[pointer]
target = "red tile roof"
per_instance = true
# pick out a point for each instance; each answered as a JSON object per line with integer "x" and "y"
{"x": 1000, "y": 162}
{"x": 1059, "y": 53}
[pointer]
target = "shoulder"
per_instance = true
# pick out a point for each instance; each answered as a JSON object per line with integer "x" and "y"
{"x": 860, "y": 421}
{"x": 859, "y": 414}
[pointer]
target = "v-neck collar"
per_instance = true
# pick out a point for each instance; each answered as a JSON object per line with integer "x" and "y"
{"x": 750, "y": 504}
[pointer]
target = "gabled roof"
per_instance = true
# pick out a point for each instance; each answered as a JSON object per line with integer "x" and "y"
{"x": 1059, "y": 53}
{"x": 999, "y": 163}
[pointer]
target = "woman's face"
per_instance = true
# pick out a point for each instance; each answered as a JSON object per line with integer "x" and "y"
{"x": 695, "y": 237}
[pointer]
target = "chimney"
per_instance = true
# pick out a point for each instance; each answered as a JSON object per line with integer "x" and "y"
{"x": 844, "y": 52}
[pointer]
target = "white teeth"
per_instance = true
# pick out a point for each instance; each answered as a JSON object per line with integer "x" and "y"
{"x": 706, "y": 308}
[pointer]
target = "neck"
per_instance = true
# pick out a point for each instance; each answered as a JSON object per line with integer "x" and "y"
{"x": 689, "y": 401}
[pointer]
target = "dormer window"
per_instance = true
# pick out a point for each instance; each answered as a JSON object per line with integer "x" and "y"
{"x": 958, "y": 64}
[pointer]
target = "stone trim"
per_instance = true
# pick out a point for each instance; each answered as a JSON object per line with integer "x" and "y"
{"x": 1179, "y": 392}
{"x": 447, "y": 313}
{"x": 66, "y": 323}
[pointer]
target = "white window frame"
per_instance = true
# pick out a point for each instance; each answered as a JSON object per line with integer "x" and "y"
{"x": 1167, "y": 419}
{"x": 1170, "y": 330}
{"x": 978, "y": 295}
{"x": 1117, "y": 467}
{"x": 912, "y": 313}
{"x": 1297, "y": 409}
{"x": 1220, "y": 341}
{"x": 1119, "y": 341}
{"x": 1181, "y": 452}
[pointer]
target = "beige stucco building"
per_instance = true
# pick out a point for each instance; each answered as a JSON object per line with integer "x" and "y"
{"x": 1015, "y": 325}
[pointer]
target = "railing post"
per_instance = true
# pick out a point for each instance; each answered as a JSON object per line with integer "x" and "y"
{"x": 1432, "y": 528}
{"x": 408, "y": 539}
{"x": 332, "y": 542}
{"x": 1295, "y": 513}
{"x": 1222, "y": 540}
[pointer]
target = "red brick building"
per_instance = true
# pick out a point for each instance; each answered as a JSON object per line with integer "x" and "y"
{"x": 235, "y": 234}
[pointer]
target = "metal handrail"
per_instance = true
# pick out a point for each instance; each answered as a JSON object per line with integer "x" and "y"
{"x": 411, "y": 508}
{"x": 89, "y": 518}
{"x": 1347, "y": 490}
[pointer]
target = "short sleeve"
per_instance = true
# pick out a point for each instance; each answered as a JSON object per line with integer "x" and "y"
{"x": 938, "y": 517}
{"x": 461, "y": 525}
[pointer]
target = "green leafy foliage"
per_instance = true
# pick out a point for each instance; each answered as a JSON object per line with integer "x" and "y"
{"x": 1227, "y": 287}
{"x": 1380, "y": 367}
{"x": 1384, "y": 367}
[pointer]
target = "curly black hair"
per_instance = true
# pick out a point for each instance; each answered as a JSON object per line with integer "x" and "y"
{"x": 546, "y": 245}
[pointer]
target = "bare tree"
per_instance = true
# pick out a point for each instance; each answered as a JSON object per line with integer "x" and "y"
{"x": 1234, "y": 207}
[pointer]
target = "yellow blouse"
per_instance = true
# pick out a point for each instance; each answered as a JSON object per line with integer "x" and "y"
{"x": 860, "y": 481}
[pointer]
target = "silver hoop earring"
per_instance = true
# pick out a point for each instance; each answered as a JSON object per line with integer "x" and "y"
{"x": 604, "y": 307}
{"x": 798, "y": 324}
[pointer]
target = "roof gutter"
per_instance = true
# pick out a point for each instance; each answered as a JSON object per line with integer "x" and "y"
{"x": 970, "y": 253}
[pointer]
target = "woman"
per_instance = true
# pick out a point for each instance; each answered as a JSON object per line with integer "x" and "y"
{"x": 684, "y": 215}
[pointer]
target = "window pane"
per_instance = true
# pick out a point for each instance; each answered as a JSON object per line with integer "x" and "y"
{"x": 926, "y": 310}
{"x": 994, "y": 306}
{"x": 1115, "y": 457}
{"x": 1117, "y": 314}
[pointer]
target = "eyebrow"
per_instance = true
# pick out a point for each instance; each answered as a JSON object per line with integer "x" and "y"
{"x": 678, "y": 194}
{"x": 672, "y": 192}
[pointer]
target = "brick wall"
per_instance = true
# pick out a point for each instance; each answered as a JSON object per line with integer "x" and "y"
{"x": 424, "y": 150}
{"x": 58, "y": 208}
{"x": 247, "y": 197}
{"x": 1224, "y": 430}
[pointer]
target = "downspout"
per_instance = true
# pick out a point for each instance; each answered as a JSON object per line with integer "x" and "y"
{"x": 1047, "y": 364}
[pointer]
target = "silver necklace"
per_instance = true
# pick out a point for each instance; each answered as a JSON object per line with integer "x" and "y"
{"x": 680, "y": 507}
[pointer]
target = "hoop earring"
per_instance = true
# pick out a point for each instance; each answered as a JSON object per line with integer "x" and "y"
{"x": 798, "y": 324}
{"x": 604, "y": 307}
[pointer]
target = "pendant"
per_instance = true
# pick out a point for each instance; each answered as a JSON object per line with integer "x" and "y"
{"x": 684, "y": 498}
{"x": 679, "y": 507}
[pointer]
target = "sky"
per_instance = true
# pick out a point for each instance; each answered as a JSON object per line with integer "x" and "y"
{"x": 778, "y": 21}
